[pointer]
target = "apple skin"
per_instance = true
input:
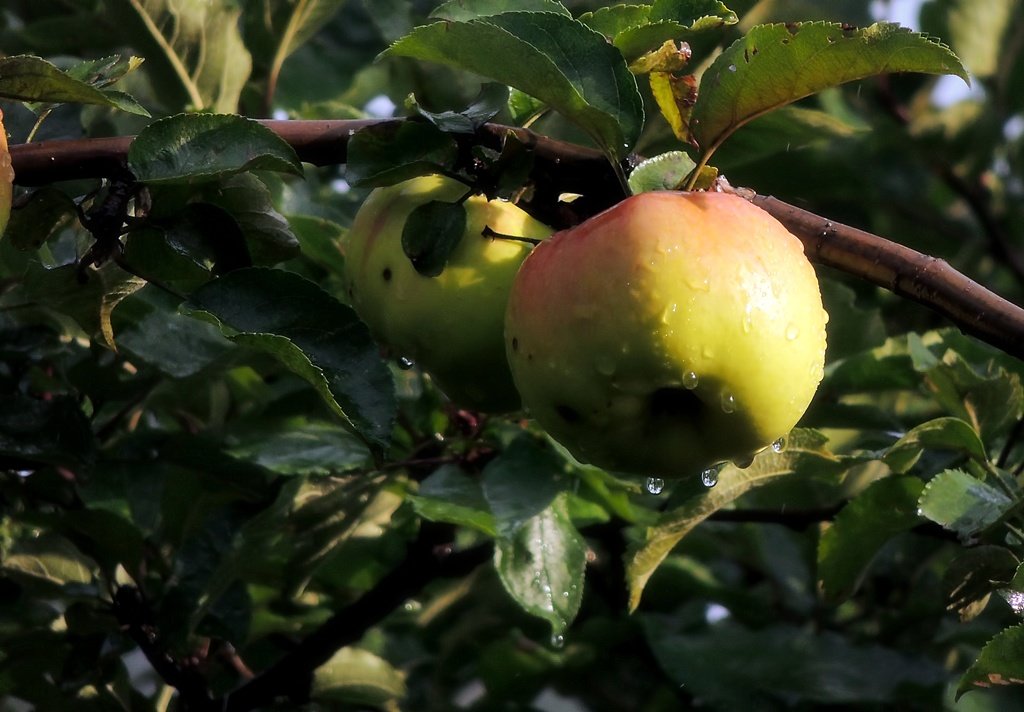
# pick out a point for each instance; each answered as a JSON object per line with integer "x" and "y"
{"x": 450, "y": 325}
{"x": 6, "y": 178}
{"x": 671, "y": 332}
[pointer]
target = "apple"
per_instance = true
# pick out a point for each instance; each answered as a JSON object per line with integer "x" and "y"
{"x": 6, "y": 178}
{"x": 452, "y": 324}
{"x": 669, "y": 333}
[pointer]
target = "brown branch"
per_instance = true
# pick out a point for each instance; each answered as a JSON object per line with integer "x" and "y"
{"x": 924, "y": 279}
{"x": 564, "y": 167}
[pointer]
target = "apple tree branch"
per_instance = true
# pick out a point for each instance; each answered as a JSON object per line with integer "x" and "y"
{"x": 567, "y": 168}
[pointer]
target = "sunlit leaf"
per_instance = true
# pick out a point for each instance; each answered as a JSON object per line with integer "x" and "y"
{"x": 1000, "y": 663}
{"x": 774, "y": 65}
{"x": 26, "y": 78}
{"x": 963, "y": 503}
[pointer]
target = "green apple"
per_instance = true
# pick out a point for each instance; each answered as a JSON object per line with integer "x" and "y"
{"x": 451, "y": 325}
{"x": 669, "y": 333}
{"x": 6, "y": 178}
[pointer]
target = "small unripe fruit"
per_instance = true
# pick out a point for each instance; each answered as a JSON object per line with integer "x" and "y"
{"x": 669, "y": 333}
{"x": 451, "y": 325}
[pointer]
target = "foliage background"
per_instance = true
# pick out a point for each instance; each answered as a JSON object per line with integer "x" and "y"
{"x": 865, "y": 566}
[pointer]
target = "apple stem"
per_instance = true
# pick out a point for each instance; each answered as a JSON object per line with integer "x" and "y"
{"x": 488, "y": 232}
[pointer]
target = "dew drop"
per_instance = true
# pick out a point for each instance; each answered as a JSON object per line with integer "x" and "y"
{"x": 748, "y": 323}
{"x": 709, "y": 477}
{"x": 405, "y": 363}
{"x": 779, "y": 445}
{"x": 557, "y": 641}
{"x": 728, "y": 402}
{"x": 655, "y": 485}
{"x": 690, "y": 380}
{"x": 792, "y": 331}
{"x": 732, "y": 67}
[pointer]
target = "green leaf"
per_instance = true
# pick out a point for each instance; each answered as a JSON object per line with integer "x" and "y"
{"x": 950, "y": 434}
{"x": 26, "y": 78}
{"x": 491, "y": 99}
{"x": 523, "y": 107}
{"x": 50, "y": 558}
{"x": 962, "y": 503}
{"x": 549, "y": 56}
{"x": 195, "y": 53}
{"x": 313, "y": 335}
{"x": 886, "y": 508}
{"x": 664, "y": 172}
{"x": 320, "y": 240}
{"x": 35, "y": 220}
{"x": 1000, "y": 663}
{"x": 464, "y": 10}
{"x": 431, "y": 233}
{"x": 299, "y": 446}
{"x": 357, "y": 677}
{"x": 306, "y": 18}
{"x": 247, "y": 199}
{"x": 615, "y": 19}
{"x": 735, "y": 668}
{"x": 774, "y": 65}
{"x": 975, "y": 573}
{"x": 541, "y": 565}
{"x": 674, "y": 20}
{"x": 53, "y": 432}
{"x": 522, "y": 482}
{"x": 389, "y": 153}
{"x": 805, "y": 452}
{"x": 449, "y": 495}
{"x": 196, "y": 148}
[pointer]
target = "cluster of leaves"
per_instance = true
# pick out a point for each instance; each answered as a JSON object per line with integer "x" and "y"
{"x": 203, "y": 456}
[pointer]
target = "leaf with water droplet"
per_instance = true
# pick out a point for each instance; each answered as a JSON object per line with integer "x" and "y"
{"x": 543, "y": 560}
{"x": 806, "y": 456}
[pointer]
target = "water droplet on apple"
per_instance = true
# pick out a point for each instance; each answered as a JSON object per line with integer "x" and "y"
{"x": 690, "y": 380}
{"x": 748, "y": 321}
{"x": 405, "y": 363}
{"x": 557, "y": 640}
{"x": 732, "y": 67}
{"x": 792, "y": 331}
{"x": 728, "y": 402}
{"x": 707, "y": 352}
{"x": 709, "y": 477}
{"x": 655, "y": 485}
{"x": 779, "y": 445}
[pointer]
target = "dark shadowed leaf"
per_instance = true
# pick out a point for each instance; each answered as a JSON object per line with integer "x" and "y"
{"x": 449, "y": 495}
{"x": 194, "y": 148}
{"x": 312, "y": 334}
{"x": 871, "y": 519}
{"x": 247, "y": 199}
{"x": 389, "y": 153}
{"x": 759, "y": 669}
{"x": 491, "y": 99}
{"x": 549, "y": 56}
{"x": 431, "y": 233}
{"x": 299, "y": 446}
{"x": 33, "y": 221}
{"x": 53, "y": 432}
{"x": 974, "y": 574}
{"x": 48, "y": 558}
{"x": 522, "y": 482}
